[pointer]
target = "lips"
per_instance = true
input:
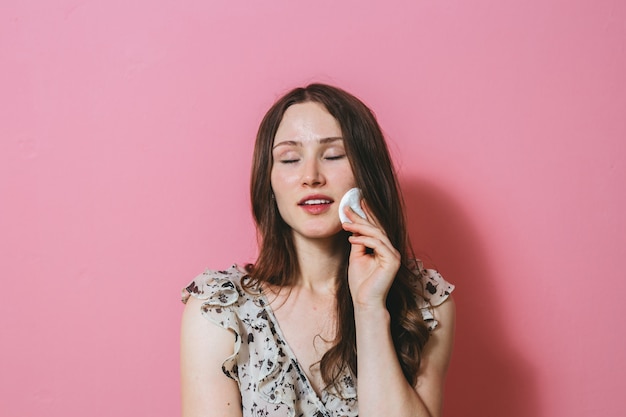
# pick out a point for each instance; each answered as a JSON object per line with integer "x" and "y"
{"x": 314, "y": 200}
{"x": 316, "y": 204}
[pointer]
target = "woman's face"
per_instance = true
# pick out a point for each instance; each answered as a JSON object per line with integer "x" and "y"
{"x": 310, "y": 171}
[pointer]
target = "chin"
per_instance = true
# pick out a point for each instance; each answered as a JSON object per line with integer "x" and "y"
{"x": 321, "y": 233}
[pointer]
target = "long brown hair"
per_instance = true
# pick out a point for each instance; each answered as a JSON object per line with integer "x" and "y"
{"x": 277, "y": 262}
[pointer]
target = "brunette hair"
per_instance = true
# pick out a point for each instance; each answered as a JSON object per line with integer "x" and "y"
{"x": 277, "y": 262}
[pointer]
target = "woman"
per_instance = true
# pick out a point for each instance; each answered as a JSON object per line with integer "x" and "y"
{"x": 320, "y": 290}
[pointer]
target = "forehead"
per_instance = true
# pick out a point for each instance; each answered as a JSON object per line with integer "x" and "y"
{"x": 309, "y": 121}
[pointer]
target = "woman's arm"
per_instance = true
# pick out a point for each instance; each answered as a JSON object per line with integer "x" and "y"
{"x": 205, "y": 390}
{"x": 382, "y": 387}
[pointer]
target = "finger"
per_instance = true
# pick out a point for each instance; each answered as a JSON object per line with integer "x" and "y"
{"x": 368, "y": 245}
{"x": 365, "y": 228}
{"x": 368, "y": 226}
{"x": 352, "y": 215}
{"x": 380, "y": 248}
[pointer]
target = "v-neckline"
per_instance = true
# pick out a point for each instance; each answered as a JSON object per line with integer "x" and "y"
{"x": 290, "y": 353}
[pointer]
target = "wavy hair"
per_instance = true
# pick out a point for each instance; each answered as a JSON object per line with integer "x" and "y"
{"x": 277, "y": 263}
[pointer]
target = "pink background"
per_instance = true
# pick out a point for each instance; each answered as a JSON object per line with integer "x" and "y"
{"x": 126, "y": 132}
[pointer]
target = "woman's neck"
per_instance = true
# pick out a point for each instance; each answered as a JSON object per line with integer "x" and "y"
{"x": 319, "y": 261}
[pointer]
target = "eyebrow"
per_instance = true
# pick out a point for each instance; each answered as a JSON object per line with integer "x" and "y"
{"x": 299, "y": 143}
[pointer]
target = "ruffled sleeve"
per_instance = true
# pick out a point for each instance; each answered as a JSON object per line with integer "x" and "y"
{"x": 435, "y": 290}
{"x": 221, "y": 293}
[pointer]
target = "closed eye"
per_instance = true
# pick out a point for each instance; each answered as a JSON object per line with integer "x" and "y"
{"x": 334, "y": 157}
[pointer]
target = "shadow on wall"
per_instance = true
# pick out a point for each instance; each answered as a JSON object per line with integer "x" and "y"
{"x": 487, "y": 377}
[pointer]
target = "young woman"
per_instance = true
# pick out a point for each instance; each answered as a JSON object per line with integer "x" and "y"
{"x": 333, "y": 319}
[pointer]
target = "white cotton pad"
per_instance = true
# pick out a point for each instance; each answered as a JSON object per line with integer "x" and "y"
{"x": 353, "y": 199}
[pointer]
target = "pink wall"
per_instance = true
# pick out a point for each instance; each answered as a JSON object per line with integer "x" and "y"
{"x": 126, "y": 131}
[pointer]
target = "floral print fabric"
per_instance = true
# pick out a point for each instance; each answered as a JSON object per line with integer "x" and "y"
{"x": 269, "y": 376}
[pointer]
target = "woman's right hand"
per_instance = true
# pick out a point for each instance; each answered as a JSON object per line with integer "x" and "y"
{"x": 373, "y": 262}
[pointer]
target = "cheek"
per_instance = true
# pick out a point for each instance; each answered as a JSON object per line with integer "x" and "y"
{"x": 280, "y": 192}
{"x": 275, "y": 182}
{"x": 350, "y": 178}
{"x": 281, "y": 180}
{"x": 346, "y": 176}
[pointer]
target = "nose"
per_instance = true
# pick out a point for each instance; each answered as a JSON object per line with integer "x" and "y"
{"x": 311, "y": 175}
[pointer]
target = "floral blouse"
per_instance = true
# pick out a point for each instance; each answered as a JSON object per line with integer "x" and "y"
{"x": 270, "y": 379}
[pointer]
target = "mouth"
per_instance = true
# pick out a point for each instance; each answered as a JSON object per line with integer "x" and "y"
{"x": 315, "y": 202}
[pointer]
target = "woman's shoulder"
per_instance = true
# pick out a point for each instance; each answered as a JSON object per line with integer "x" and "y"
{"x": 223, "y": 285}
{"x": 219, "y": 297}
{"x": 435, "y": 290}
{"x": 207, "y": 350}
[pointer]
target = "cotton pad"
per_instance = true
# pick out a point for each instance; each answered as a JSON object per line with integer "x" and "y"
{"x": 353, "y": 199}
